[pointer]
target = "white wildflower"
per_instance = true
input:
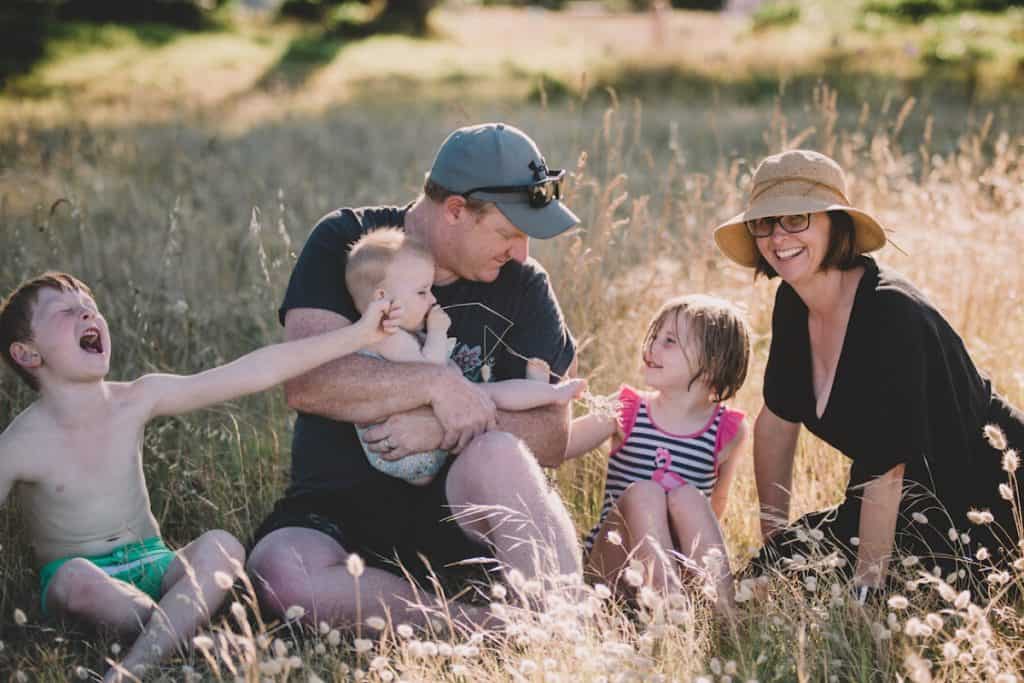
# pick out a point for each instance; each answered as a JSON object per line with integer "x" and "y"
{"x": 355, "y": 565}
{"x": 898, "y": 602}
{"x": 602, "y": 591}
{"x": 203, "y": 642}
{"x": 995, "y": 436}
{"x": 334, "y": 638}
{"x": 498, "y": 591}
{"x": 238, "y": 612}
{"x": 404, "y": 631}
{"x": 962, "y": 600}
{"x": 615, "y": 538}
{"x": 376, "y": 623}
{"x": 223, "y": 580}
{"x": 1010, "y": 461}
{"x": 982, "y": 554}
{"x": 19, "y": 617}
{"x": 998, "y": 578}
{"x": 295, "y": 612}
{"x": 946, "y": 592}
{"x": 633, "y": 577}
{"x": 917, "y": 628}
{"x": 363, "y": 645}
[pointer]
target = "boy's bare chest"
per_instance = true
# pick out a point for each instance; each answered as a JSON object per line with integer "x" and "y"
{"x": 69, "y": 463}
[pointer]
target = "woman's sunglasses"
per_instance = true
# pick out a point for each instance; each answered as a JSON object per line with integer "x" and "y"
{"x": 764, "y": 227}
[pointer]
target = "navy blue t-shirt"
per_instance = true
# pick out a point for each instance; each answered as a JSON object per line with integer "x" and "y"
{"x": 518, "y": 311}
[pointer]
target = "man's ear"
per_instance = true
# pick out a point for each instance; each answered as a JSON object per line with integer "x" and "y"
{"x": 454, "y": 208}
{"x": 25, "y": 355}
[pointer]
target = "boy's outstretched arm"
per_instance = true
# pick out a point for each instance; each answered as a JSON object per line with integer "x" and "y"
{"x": 266, "y": 367}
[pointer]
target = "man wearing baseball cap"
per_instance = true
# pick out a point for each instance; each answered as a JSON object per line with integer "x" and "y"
{"x": 488, "y": 192}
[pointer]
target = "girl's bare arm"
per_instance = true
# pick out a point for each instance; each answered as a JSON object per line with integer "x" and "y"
{"x": 728, "y": 459}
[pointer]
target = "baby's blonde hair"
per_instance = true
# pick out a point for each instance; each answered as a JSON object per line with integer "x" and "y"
{"x": 370, "y": 257}
{"x": 719, "y": 335}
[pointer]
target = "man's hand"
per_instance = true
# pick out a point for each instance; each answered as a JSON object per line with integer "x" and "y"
{"x": 417, "y": 431}
{"x": 463, "y": 409}
{"x": 438, "y": 321}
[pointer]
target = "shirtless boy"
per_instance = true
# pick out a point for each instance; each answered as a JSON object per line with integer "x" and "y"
{"x": 386, "y": 262}
{"x": 77, "y": 454}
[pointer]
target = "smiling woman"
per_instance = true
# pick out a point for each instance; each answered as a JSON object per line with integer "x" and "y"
{"x": 862, "y": 358}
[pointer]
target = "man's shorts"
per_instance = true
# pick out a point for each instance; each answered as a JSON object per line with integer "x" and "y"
{"x": 142, "y": 564}
{"x": 388, "y": 521}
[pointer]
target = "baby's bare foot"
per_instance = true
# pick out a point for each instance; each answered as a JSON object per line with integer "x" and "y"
{"x": 537, "y": 369}
{"x": 570, "y": 389}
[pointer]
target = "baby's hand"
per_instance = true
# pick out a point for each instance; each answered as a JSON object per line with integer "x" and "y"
{"x": 438, "y": 320}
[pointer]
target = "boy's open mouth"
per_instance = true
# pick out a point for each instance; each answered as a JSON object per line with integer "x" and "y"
{"x": 91, "y": 341}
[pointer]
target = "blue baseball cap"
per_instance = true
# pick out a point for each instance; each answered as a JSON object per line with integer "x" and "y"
{"x": 496, "y": 162}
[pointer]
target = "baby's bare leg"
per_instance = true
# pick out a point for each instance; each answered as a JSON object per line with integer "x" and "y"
{"x": 524, "y": 394}
{"x": 84, "y": 592}
{"x": 191, "y": 596}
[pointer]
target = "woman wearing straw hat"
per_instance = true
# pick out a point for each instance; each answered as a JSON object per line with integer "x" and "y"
{"x": 861, "y": 358}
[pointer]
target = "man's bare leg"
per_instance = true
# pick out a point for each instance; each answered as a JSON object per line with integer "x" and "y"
{"x": 304, "y": 567}
{"x": 498, "y": 493}
{"x": 191, "y": 596}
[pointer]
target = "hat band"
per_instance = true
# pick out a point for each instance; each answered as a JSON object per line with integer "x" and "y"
{"x": 763, "y": 187}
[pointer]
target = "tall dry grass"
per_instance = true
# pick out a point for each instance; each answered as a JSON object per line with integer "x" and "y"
{"x": 188, "y": 235}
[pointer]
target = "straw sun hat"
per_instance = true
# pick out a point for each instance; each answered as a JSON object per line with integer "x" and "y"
{"x": 790, "y": 183}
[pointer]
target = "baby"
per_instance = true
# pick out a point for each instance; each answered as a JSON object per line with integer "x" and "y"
{"x": 76, "y": 453}
{"x": 386, "y": 263}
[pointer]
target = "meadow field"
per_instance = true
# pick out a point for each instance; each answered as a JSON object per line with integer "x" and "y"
{"x": 184, "y": 208}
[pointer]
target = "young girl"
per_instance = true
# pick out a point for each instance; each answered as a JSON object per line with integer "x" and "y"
{"x": 672, "y": 460}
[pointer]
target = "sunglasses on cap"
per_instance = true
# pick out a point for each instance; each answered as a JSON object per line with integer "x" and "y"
{"x": 764, "y": 227}
{"x": 546, "y": 187}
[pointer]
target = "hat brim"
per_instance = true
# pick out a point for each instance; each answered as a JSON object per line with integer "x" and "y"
{"x": 543, "y": 223}
{"x": 738, "y": 244}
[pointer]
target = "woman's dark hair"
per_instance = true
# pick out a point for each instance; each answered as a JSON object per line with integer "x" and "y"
{"x": 842, "y": 247}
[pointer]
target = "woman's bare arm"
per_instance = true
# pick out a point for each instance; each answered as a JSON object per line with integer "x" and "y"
{"x": 774, "y": 448}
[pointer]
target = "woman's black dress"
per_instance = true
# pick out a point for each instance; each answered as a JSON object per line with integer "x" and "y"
{"x": 905, "y": 391}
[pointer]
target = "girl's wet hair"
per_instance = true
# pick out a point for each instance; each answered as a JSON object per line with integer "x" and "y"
{"x": 720, "y": 339}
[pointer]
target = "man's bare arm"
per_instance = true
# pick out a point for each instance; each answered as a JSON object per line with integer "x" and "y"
{"x": 363, "y": 390}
